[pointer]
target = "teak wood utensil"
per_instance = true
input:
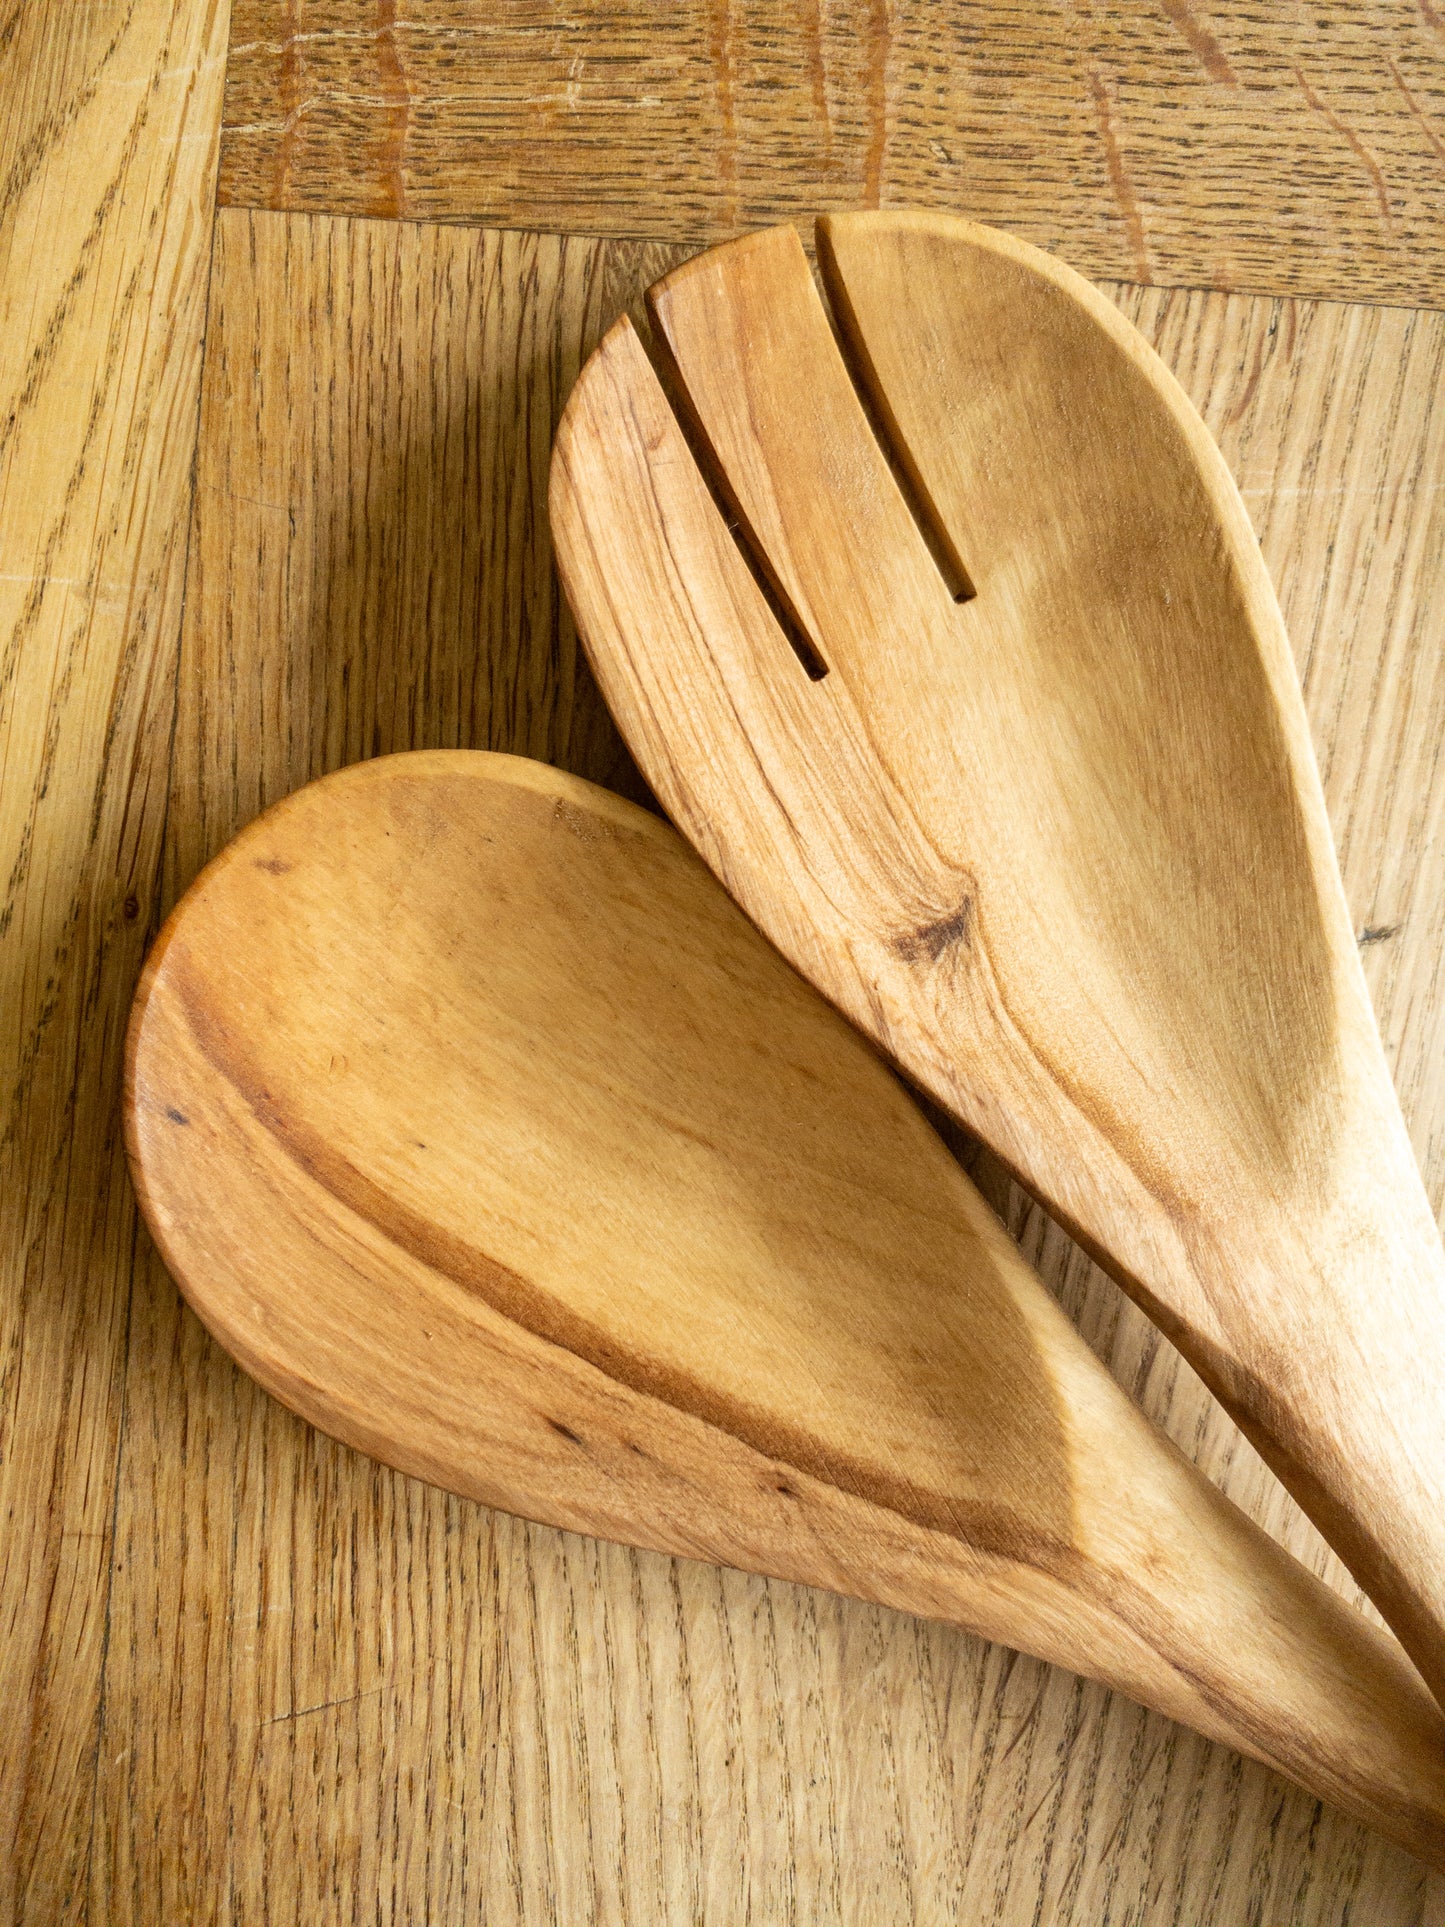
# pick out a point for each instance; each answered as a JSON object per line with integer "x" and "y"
{"x": 1031, "y": 797}
{"x": 484, "y": 1130}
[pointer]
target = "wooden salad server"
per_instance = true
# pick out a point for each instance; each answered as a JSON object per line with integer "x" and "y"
{"x": 484, "y": 1130}
{"x": 942, "y": 633}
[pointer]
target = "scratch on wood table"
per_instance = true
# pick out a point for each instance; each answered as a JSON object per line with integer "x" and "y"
{"x": 1231, "y": 145}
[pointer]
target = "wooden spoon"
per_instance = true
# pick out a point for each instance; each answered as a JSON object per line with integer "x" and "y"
{"x": 1031, "y": 797}
{"x": 483, "y": 1129}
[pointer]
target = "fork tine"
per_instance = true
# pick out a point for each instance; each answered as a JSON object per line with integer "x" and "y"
{"x": 679, "y": 633}
{"x": 769, "y": 388}
{"x": 703, "y": 682}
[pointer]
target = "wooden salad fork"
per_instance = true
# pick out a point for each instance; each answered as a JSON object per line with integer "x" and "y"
{"x": 938, "y": 626}
{"x": 484, "y": 1130}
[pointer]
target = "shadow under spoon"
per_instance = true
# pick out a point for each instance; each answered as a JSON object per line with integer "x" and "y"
{"x": 480, "y": 1126}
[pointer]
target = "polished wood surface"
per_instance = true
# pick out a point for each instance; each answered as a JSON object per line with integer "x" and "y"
{"x": 1226, "y": 145}
{"x": 481, "y": 1128}
{"x": 985, "y": 712}
{"x": 331, "y": 1692}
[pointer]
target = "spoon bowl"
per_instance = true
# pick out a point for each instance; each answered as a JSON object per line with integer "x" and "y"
{"x": 483, "y": 1129}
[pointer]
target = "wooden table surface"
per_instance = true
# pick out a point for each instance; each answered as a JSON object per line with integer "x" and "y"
{"x": 291, "y": 294}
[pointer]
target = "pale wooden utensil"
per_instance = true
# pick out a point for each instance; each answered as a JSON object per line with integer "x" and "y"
{"x": 1031, "y": 797}
{"x": 483, "y": 1129}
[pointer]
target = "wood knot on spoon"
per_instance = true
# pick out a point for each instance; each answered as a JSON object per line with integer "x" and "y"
{"x": 927, "y": 942}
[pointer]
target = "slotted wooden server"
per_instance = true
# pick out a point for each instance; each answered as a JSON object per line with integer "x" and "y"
{"x": 957, "y": 660}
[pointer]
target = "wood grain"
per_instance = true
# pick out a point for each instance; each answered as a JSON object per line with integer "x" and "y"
{"x": 108, "y": 142}
{"x": 480, "y": 1127}
{"x": 1222, "y": 145}
{"x": 569, "y": 1730}
{"x": 1046, "y": 825}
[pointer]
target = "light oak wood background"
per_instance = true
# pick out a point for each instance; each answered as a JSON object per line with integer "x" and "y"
{"x": 272, "y": 499}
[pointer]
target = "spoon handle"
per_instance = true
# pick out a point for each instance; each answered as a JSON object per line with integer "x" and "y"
{"x": 1332, "y": 1362}
{"x": 1235, "y": 1637}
